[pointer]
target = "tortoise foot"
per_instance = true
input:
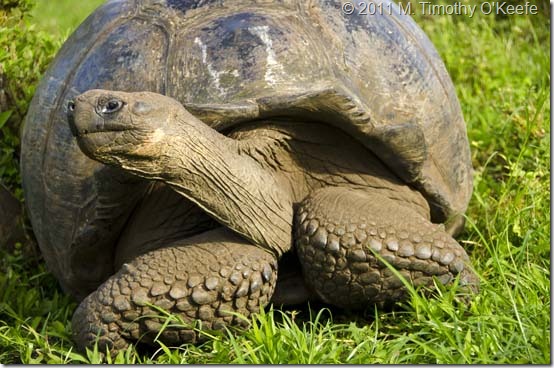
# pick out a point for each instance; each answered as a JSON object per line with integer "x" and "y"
{"x": 204, "y": 281}
{"x": 346, "y": 237}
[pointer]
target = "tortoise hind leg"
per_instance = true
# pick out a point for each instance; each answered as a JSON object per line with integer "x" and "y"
{"x": 340, "y": 231}
{"x": 202, "y": 278}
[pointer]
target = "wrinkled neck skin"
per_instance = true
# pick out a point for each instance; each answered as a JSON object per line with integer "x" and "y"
{"x": 207, "y": 168}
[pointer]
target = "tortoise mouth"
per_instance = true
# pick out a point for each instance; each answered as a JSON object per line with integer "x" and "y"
{"x": 87, "y": 124}
{"x": 80, "y": 133}
{"x": 94, "y": 142}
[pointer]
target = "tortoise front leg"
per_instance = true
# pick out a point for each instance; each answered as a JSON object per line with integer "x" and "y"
{"x": 342, "y": 233}
{"x": 200, "y": 279}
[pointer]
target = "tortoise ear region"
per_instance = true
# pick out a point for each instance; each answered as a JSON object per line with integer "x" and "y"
{"x": 141, "y": 107}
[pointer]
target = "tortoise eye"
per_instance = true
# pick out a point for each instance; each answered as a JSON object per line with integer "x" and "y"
{"x": 111, "y": 106}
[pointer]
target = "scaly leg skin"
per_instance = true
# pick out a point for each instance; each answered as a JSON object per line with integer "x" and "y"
{"x": 339, "y": 231}
{"x": 202, "y": 278}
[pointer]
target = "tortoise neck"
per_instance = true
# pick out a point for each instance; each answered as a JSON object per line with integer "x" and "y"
{"x": 209, "y": 169}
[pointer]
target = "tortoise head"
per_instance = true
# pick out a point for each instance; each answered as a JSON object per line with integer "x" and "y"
{"x": 110, "y": 124}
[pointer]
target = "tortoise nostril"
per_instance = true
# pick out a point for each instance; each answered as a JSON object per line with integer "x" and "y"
{"x": 71, "y": 117}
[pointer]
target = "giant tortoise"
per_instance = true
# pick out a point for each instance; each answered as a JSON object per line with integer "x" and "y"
{"x": 183, "y": 154}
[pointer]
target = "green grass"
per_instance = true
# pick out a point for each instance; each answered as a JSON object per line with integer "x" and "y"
{"x": 59, "y": 18}
{"x": 500, "y": 67}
